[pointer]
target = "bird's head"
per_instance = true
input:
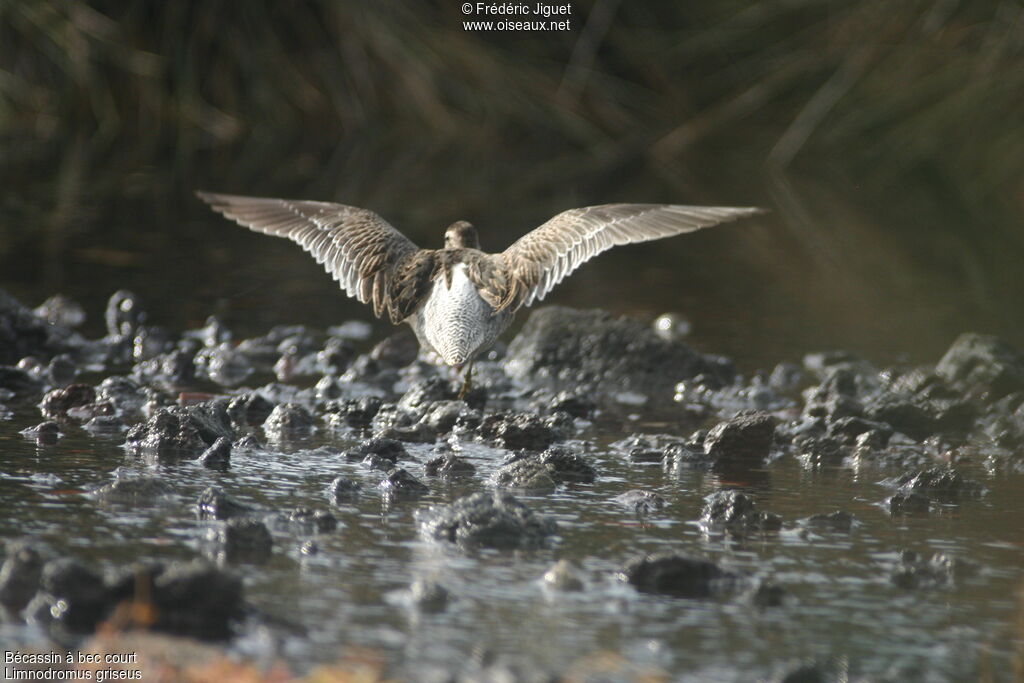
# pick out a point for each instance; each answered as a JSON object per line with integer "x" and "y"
{"x": 461, "y": 235}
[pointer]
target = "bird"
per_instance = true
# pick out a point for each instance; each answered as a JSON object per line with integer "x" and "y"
{"x": 458, "y": 299}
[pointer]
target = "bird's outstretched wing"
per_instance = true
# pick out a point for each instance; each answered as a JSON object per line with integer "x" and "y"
{"x": 363, "y": 252}
{"x": 544, "y": 257}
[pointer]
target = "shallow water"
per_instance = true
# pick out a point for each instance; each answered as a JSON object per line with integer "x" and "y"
{"x": 840, "y": 606}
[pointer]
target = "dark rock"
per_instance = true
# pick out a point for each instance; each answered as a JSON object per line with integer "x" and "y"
{"x": 392, "y": 422}
{"x": 80, "y": 598}
{"x": 357, "y": 413}
{"x": 62, "y": 370}
{"x": 400, "y": 484}
{"x": 847, "y": 429}
{"x": 23, "y": 333}
{"x": 682, "y": 456}
{"x": 441, "y": 416}
{"x": 676, "y": 575}
{"x": 247, "y": 443}
{"x": 388, "y": 449}
{"x": 396, "y": 351}
{"x": 197, "y": 601}
{"x": 518, "y": 431}
{"x": 214, "y": 503}
{"x": 575, "y": 404}
{"x": 593, "y": 348}
{"x": 61, "y": 311}
{"x": 240, "y": 539}
{"x": 941, "y": 483}
{"x": 344, "y": 490}
{"x": 45, "y": 433}
{"x": 175, "y": 368}
{"x": 124, "y": 394}
{"x": 641, "y": 502}
{"x": 212, "y": 420}
{"x": 124, "y": 314}
{"x": 307, "y": 521}
{"x": 766, "y": 594}
{"x": 641, "y": 455}
{"x": 336, "y": 355}
{"x": 564, "y": 576}
{"x": 423, "y": 393}
{"x": 249, "y": 409}
{"x": 17, "y": 381}
{"x": 526, "y": 473}
{"x": 104, "y": 425}
{"x": 288, "y": 419}
{"x": 20, "y": 574}
{"x": 940, "y": 569}
{"x": 494, "y": 520}
{"x": 429, "y": 596}
{"x": 908, "y": 504}
{"x": 818, "y": 451}
{"x": 743, "y": 441}
{"x": 983, "y": 364}
{"x": 568, "y": 466}
{"x": 217, "y": 456}
{"x": 172, "y": 433}
{"x": 223, "y": 364}
{"x": 129, "y": 488}
{"x": 736, "y": 513}
{"x": 449, "y": 466}
{"x": 838, "y": 521}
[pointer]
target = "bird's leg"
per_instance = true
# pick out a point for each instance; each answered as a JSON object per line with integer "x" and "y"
{"x": 467, "y": 382}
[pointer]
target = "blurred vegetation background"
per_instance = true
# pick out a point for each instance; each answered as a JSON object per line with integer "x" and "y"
{"x": 886, "y": 138}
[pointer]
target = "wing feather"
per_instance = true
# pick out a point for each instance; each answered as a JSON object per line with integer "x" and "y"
{"x": 544, "y": 257}
{"x": 357, "y": 247}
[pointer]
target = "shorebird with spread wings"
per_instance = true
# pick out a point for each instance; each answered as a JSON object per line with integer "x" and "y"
{"x": 458, "y": 299}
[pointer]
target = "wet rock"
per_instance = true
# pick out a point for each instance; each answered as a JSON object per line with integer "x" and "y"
{"x": 305, "y": 520}
{"x": 544, "y": 471}
{"x": 429, "y": 596}
{"x": 440, "y": 417}
{"x": 526, "y": 473}
{"x": 676, "y": 575}
{"x": 224, "y": 365}
{"x": 78, "y": 596}
{"x": 214, "y": 503}
{"x": 18, "y": 382}
{"x": 129, "y": 488}
{"x": 23, "y": 333}
{"x": 564, "y": 576}
{"x": 400, "y": 484}
{"x": 640, "y": 501}
{"x": 124, "y": 394}
{"x": 516, "y": 431}
{"x": 818, "y": 451}
{"x": 61, "y": 311}
{"x": 175, "y": 368}
{"x": 396, "y": 351}
{"x": 837, "y": 522}
{"x": 62, "y": 370}
{"x": 197, "y": 601}
{"x": 424, "y": 392}
{"x": 940, "y": 569}
{"x": 177, "y": 433}
{"x": 288, "y": 420}
{"x": 766, "y": 594}
{"x": 743, "y": 441}
{"x": 593, "y": 348}
{"x": 449, "y": 466}
{"x": 335, "y": 356}
{"x": 847, "y": 429}
{"x": 944, "y": 484}
{"x": 124, "y": 314}
{"x": 908, "y": 504}
{"x": 357, "y": 413}
{"x": 388, "y": 449}
{"x": 217, "y": 456}
{"x": 983, "y": 364}
{"x": 343, "y": 490}
{"x": 494, "y": 520}
{"x": 45, "y": 433}
{"x": 682, "y": 456}
{"x": 736, "y": 513}
{"x": 20, "y": 574}
{"x": 575, "y": 404}
{"x": 56, "y": 403}
{"x": 240, "y": 539}
{"x": 395, "y": 423}
{"x": 249, "y": 409}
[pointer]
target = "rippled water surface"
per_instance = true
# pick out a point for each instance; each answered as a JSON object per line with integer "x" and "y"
{"x": 841, "y": 606}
